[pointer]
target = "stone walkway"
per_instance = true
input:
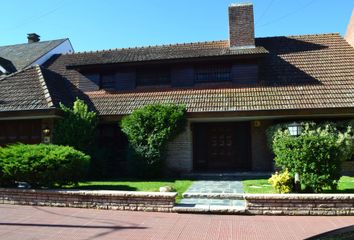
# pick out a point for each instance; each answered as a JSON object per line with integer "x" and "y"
{"x": 206, "y": 187}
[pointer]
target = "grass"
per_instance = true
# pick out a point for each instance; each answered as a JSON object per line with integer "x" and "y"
{"x": 180, "y": 186}
{"x": 257, "y": 186}
{"x": 346, "y": 185}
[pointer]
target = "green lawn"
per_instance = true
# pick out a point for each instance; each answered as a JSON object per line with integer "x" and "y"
{"x": 180, "y": 186}
{"x": 346, "y": 185}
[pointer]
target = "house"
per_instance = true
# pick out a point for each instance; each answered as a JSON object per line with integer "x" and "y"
{"x": 25, "y": 103}
{"x": 234, "y": 90}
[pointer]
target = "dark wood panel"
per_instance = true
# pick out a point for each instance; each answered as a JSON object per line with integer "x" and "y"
{"x": 24, "y": 131}
{"x": 244, "y": 73}
{"x": 125, "y": 80}
{"x": 182, "y": 76}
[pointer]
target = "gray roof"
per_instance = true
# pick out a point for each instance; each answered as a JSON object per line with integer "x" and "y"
{"x": 23, "y": 55}
{"x": 163, "y": 52}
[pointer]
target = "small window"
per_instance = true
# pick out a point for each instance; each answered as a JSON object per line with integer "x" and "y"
{"x": 213, "y": 73}
{"x": 151, "y": 77}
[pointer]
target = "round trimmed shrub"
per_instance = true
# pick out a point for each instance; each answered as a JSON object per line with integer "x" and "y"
{"x": 316, "y": 155}
{"x": 42, "y": 165}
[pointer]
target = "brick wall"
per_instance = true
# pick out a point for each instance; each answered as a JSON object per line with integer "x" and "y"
{"x": 300, "y": 204}
{"x": 180, "y": 152}
{"x": 241, "y": 25}
{"x": 115, "y": 200}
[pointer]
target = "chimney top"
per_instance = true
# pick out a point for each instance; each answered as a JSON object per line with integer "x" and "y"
{"x": 241, "y": 25}
{"x": 33, "y": 37}
{"x": 240, "y": 4}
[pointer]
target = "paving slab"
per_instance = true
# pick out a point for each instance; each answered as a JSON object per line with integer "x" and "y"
{"x": 212, "y": 187}
{"x": 34, "y": 223}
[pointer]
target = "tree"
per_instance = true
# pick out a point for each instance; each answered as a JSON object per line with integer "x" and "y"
{"x": 77, "y": 128}
{"x": 148, "y": 130}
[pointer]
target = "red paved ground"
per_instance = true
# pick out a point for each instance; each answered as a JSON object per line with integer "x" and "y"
{"x": 26, "y": 222}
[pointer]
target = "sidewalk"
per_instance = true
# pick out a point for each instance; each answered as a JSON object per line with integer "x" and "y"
{"x": 26, "y": 222}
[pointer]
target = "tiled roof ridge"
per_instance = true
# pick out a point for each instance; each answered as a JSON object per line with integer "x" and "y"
{"x": 44, "y": 86}
{"x": 150, "y": 46}
{"x": 10, "y": 45}
{"x": 192, "y": 43}
{"x": 302, "y": 35}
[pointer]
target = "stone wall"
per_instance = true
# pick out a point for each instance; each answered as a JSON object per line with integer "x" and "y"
{"x": 114, "y": 200}
{"x": 180, "y": 152}
{"x": 300, "y": 204}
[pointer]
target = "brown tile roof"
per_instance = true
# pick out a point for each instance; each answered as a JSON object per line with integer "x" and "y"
{"x": 163, "y": 52}
{"x": 299, "y": 72}
{"x": 33, "y": 88}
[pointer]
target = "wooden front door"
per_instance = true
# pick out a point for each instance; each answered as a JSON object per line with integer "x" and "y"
{"x": 222, "y": 146}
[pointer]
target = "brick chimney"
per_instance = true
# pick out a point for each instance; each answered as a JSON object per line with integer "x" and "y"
{"x": 241, "y": 25}
{"x": 33, "y": 37}
{"x": 349, "y": 36}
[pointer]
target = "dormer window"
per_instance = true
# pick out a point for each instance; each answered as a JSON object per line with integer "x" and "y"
{"x": 213, "y": 73}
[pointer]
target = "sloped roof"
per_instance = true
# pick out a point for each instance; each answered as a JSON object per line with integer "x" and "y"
{"x": 163, "y": 52}
{"x": 299, "y": 72}
{"x": 23, "y": 55}
{"x": 33, "y": 88}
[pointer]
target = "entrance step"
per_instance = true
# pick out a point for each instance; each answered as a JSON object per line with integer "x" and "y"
{"x": 225, "y": 175}
{"x": 222, "y": 196}
{"x": 187, "y": 208}
{"x": 197, "y": 202}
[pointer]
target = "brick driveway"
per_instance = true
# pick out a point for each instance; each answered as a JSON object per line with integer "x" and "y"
{"x": 26, "y": 222}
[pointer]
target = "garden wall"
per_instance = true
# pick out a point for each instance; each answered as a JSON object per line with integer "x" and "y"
{"x": 115, "y": 200}
{"x": 300, "y": 204}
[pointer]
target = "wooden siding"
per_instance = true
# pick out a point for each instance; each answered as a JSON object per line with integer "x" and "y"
{"x": 125, "y": 80}
{"x": 23, "y": 131}
{"x": 182, "y": 76}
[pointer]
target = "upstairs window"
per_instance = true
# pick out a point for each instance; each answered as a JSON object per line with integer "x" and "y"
{"x": 212, "y": 73}
{"x": 95, "y": 81}
{"x": 153, "y": 77}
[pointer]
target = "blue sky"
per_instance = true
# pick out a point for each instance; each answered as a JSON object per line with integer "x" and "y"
{"x": 105, "y": 24}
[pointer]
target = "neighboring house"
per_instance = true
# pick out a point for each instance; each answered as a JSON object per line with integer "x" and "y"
{"x": 234, "y": 90}
{"x": 17, "y": 57}
{"x": 349, "y": 36}
{"x": 25, "y": 102}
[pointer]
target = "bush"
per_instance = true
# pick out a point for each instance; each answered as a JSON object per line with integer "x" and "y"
{"x": 316, "y": 154}
{"x": 282, "y": 182}
{"x": 77, "y": 128}
{"x": 42, "y": 165}
{"x": 148, "y": 130}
